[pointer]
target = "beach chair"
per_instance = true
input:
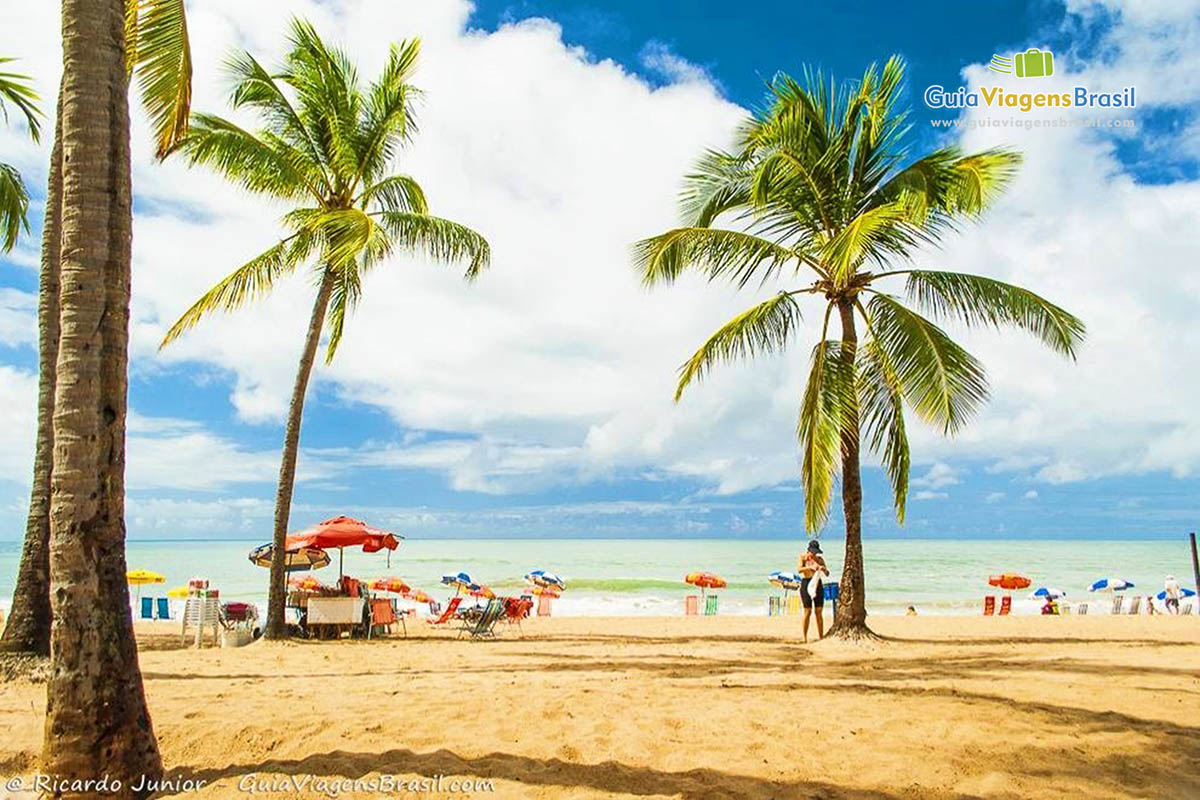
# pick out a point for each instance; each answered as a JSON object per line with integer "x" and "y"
{"x": 1083, "y": 607}
{"x": 447, "y": 613}
{"x": 691, "y": 605}
{"x": 989, "y": 605}
{"x": 1186, "y": 609}
{"x": 1066, "y": 609}
{"x": 710, "y": 606}
{"x": 1135, "y": 605}
{"x": 1006, "y": 605}
{"x": 793, "y": 604}
{"x": 147, "y": 608}
{"x": 1118, "y": 601}
{"x": 164, "y": 608}
{"x": 774, "y": 605}
{"x": 485, "y": 626}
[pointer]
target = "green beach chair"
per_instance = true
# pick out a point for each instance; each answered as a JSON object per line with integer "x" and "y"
{"x": 710, "y": 606}
{"x": 485, "y": 626}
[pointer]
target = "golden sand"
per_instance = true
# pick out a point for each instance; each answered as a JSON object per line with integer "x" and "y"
{"x": 720, "y": 707}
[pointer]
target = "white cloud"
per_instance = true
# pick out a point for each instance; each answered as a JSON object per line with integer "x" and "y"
{"x": 926, "y": 494}
{"x": 18, "y": 318}
{"x": 556, "y": 365}
{"x": 994, "y": 497}
{"x": 1032, "y": 494}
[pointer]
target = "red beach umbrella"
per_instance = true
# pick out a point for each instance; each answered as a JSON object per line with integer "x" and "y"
{"x": 418, "y": 596}
{"x": 1010, "y": 581}
{"x": 482, "y": 591}
{"x": 343, "y": 532}
{"x": 705, "y": 580}
{"x": 393, "y": 585}
{"x": 308, "y": 583}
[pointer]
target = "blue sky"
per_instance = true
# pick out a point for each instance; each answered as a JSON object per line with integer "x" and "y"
{"x": 537, "y": 403}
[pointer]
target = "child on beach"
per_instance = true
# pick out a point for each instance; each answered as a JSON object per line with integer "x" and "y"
{"x": 811, "y": 567}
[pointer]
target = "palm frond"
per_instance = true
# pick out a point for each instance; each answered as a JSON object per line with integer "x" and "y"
{"x": 256, "y": 165}
{"x": 827, "y": 409}
{"x": 872, "y": 234}
{"x": 881, "y": 414}
{"x": 17, "y": 89}
{"x": 765, "y": 328}
{"x": 347, "y": 290}
{"x": 943, "y": 382}
{"x": 159, "y": 54}
{"x": 395, "y": 193}
{"x": 389, "y": 119}
{"x": 720, "y": 183}
{"x": 440, "y": 239}
{"x": 718, "y": 252}
{"x": 976, "y": 300}
{"x": 14, "y": 207}
{"x": 252, "y": 280}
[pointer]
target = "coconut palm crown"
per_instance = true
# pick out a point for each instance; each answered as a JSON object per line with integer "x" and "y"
{"x": 820, "y": 189}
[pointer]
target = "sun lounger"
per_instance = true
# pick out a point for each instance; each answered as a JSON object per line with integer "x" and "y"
{"x": 1006, "y": 605}
{"x": 710, "y": 606}
{"x": 1135, "y": 605}
{"x": 989, "y": 605}
{"x": 147, "y": 608}
{"x": 1118, "y": 601}
{"x": 447, "y": 613}
{"x": 485, "y": 626}
{"x": 1083, "y": 607}
{"x": 164, "y": 608}
{"x": 1187, "y": 609}
{"x": 691, "y": 605}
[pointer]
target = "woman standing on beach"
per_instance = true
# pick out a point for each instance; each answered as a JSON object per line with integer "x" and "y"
{"x": 810, "y": 563}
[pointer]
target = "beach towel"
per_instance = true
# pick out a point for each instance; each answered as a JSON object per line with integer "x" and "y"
{"x": 815, "y": 585}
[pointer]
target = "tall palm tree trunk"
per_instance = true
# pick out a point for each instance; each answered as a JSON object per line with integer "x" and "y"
{"x": 28, "y": 628}
{"x": 287, "y": 467}
{"x": 850, "y": 621}
{"x": 97, "y": 723}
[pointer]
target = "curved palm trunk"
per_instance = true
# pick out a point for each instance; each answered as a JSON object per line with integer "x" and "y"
{"x": 850, "y": 622}
{"x": 97, "y": 723}
{"x": 28, "y": 628}
{"x": 287, "y": 467}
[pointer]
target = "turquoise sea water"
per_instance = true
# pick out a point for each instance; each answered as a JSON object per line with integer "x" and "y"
{"x": 639, "y": 576}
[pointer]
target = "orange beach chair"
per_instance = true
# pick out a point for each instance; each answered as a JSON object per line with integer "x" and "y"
{"x": 989, "y": 605}
{"x": 448, "y": 614}
{"x": 1006, "y": 605}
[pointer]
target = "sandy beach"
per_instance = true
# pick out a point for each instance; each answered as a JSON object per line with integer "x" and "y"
{"x": 684, "y": 708}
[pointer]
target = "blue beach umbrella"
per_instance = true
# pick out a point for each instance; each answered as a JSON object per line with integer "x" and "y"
{"x": 788, "y": 581}
{"x": 1111, "y": 584}
{"x": 1183, "y": 593}
{"x": 461, "y": 581}
{"x": 1049, "y": 592}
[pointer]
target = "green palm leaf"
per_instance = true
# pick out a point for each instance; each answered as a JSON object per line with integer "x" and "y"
{"x": 18, "y": 90}
{"x": 826, "y": 412}
{"x": 395, "y": 193}
{"x": 976, "y": 300}
{"x": 943, "y": 382}
{"x": 881, "y": 410}
{"x": 246, "y": 159}
{"x": 14, "y": 207}
{"x": 663, "y": 258}
{"x": 440, "y": 239}
{"x": 158, "y": 53}
{"x": 765, "y": 328}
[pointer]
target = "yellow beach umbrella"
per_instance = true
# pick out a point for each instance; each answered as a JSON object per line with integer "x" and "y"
{"x": 139, "y": 577}
{"x": 178, "y": 592}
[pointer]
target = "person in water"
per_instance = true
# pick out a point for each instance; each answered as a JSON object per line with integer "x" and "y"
{"x": 811, "y": 567}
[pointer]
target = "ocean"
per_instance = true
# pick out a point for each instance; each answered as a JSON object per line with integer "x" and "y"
{"x": 645, "y": 576}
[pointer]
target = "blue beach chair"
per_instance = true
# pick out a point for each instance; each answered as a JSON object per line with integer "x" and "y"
{"x": 147, "y": 608}
{"x": 164, "y": 608}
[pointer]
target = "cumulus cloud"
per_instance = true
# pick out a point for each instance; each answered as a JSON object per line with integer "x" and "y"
{"x": 557, "y": 366}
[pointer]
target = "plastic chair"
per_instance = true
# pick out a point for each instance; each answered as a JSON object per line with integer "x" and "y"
{"x": 691, "y": 605}
{"x": 989, "y": 605}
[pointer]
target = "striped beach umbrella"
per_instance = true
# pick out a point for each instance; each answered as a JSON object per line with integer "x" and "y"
{"x": 1049, "y": 592}
{"x": 300, "y": 559}
{"x": 481, "y": 591}
{"x": 461, "y": 581}
{"x": 1111, "y": 585}
{"x": 544, "y": 591}
{"x": 540, "y": 577}
{"x": 418, "y": 596}
{"x": 1184, "y": 592}
{"x": 788, "y": 581}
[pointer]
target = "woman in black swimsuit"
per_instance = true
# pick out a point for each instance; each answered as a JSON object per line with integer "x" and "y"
{"x": 811, "y": 562}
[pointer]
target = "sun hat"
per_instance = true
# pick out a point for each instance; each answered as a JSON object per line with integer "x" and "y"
{"x": 814, "y": 546}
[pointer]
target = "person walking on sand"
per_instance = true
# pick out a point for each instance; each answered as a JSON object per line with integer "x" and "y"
{"x": 1173, "y": 592}
{"x": 811, "y": 567}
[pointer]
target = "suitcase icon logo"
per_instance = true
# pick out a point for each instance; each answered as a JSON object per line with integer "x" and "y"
{"x": 1033, "y": 63}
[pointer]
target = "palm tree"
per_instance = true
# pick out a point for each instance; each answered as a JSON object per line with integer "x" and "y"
{"x": 327, "y": 145}
{"x": 156, "y": 53}
{"x": 821, "y": 190}
{"x": 97, "y": 723}
{"x": 14, "y": 199}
